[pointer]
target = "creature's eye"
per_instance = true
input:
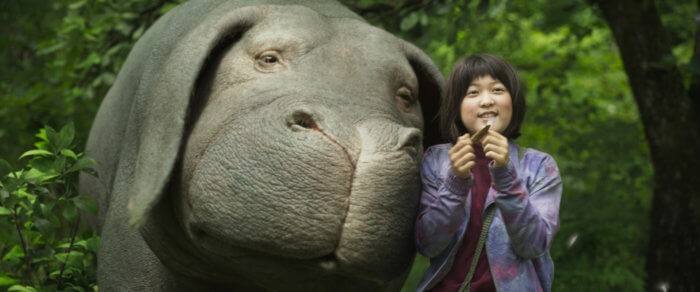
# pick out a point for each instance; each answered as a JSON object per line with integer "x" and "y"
{"x": 404, "y": 97}
{"x": 269, "y": 61}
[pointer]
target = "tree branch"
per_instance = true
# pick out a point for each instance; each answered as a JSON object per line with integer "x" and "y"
{"x": 74, "y": 233}
{"x": 25, "y": 248}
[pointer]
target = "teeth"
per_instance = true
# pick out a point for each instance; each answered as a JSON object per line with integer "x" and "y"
{"x": 489, "y": 115}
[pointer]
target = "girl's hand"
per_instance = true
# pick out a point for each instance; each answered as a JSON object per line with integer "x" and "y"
{"x": 462, "y": 157}
{"x": 496, "y": 148}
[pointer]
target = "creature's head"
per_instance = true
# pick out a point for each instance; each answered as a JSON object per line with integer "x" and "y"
{"x": 297, "y": 156}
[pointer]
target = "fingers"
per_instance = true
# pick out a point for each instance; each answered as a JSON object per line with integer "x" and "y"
{"x": 500, "y": 159}
{"x": 462, "y": 157}
{"x": 496, "y": 148}
{"x": 462, "y": 146}
{"x": 493, "y": 137}
{"x": 466, "y": 168}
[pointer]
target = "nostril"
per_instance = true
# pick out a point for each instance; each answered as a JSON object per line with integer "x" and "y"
{"x": 410, "y": 140}
{"x": 301, "y": 119}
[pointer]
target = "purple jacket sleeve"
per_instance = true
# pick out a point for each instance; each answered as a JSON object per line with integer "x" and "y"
{"x": 441, "y": 208}
{"x": 530, "y": 214}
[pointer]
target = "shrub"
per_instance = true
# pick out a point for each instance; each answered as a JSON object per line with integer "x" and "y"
{"x": 44, "y": 247}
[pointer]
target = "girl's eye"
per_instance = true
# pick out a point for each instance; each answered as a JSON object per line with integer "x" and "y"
{"x": 472, "y": 92}
{"x": 499, "y": 90}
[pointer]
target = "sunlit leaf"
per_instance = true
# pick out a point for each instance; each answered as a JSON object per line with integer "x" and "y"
{"x": 20, "y": 288}
{"x": 69, "y": 153}
{"x": 36, "y": 152}
{"x": 6, "y": 281}
{"x": 5, "y": 211}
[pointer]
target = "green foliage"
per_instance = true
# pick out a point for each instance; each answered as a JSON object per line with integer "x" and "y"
{"x": 59, "y": 58}
{"x": 42, "y": 246}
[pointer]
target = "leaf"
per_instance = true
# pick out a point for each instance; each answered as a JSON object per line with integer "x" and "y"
{"x": 410, "y": 21}
{"x": 93, "y": 243}
{"x": 15, "y": 252}
{"x": 424, "y": 19}
{"x": 6, "y": 281}
{"x": 21, "y": 193}
{"x": 42, "y": 135}
{"x": 44, "y": 226}
{"x": 35, "y": 152}
{"x": 43, "y": 145}
{"x": 139, "y": 32}
{"x": 5, "y": 166}
{"x": 82, "y": 164}
{"x": 129, "y": 15}
{"x": 21, "y": 288}
{"x": 53, "y": 138}
{"x": 86, "y": 203}
{"x": 92, "y": 59}
{"x": 77, "y": 5}
{"x": 67, "y": 134}
{"x": 41, "y": 171}
{"x": 59, "y": 164}
{"x": 70, "y": 212}
{"x": 74, "y": 260}
{"x": 81, "y": 243}
{"x": 5, "y": 211}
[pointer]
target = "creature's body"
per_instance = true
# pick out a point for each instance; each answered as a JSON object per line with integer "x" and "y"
{"x": 249, "y": 145}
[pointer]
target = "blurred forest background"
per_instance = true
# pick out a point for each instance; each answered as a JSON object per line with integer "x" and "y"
{"x": 59, "y": 58}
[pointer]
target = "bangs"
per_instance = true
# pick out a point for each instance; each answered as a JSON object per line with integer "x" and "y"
{"x": 480, "y": 67}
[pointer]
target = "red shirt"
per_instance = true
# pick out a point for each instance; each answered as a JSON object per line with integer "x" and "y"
{"x": 481, "y": 281}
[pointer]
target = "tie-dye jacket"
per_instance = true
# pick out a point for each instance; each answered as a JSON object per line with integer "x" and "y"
{"x": 526, "y": 194}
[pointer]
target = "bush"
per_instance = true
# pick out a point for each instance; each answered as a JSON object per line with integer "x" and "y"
{"x": 43, "y": 246}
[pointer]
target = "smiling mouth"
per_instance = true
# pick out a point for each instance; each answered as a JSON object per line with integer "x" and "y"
{"x": 487, "y": 115}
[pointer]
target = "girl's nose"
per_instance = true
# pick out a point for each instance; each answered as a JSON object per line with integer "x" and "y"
{"x": 486, "y": 100}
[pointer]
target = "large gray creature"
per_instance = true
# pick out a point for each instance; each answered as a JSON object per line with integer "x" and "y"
{"x": 261, "y": 145}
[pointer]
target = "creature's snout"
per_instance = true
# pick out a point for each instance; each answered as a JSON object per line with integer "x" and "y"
{"x": 410, "y": 140}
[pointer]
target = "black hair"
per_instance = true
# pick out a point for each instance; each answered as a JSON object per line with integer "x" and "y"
{"x": 463, "y": 73}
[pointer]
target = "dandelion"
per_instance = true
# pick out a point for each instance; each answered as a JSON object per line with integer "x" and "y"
{"x": 663, "y": 286}
{"x": 571, "y": 240}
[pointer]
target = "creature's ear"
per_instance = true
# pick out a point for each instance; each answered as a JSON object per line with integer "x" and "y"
{"x": 179, "y": 51}
{"x": 431, "y": 86}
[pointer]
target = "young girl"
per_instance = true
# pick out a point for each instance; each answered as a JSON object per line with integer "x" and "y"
{"x": 489, "y": 183}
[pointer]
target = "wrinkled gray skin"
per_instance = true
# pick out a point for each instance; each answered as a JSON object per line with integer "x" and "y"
{"x": 261, "y": 148}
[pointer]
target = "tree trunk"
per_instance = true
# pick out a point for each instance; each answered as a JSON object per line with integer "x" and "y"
{"x": 672, "y": 127}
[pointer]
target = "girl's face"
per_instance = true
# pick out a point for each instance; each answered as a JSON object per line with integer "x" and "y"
{"x": 486, "y": 99}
